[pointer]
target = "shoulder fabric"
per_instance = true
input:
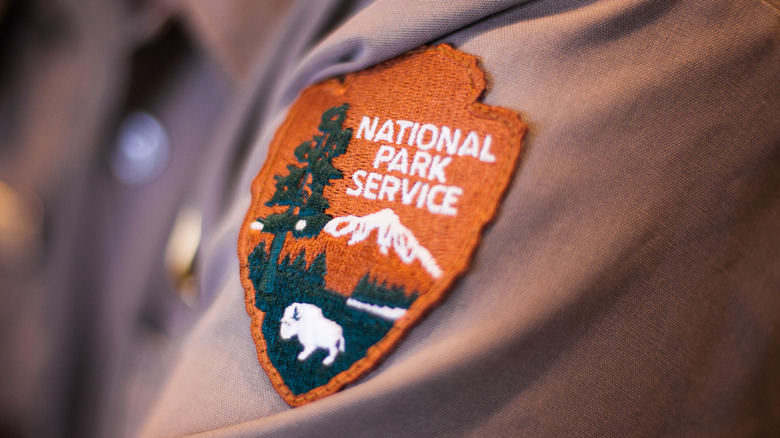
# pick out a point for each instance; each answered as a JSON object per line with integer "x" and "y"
{"x": 628, "y": 284}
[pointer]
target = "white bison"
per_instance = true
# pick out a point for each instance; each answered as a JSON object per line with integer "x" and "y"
{"x": 313, "y": 330}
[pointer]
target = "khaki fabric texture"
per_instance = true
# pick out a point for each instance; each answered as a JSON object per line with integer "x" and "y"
{"x": 628, "y": 286}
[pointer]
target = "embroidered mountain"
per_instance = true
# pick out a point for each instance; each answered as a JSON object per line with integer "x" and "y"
{"x": 390, "y": 232}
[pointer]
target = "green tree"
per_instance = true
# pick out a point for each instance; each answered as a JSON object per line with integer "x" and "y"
{"x": 301, "y": 190}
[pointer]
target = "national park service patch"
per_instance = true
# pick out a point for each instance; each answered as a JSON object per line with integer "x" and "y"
{"x": 370, "y": 204}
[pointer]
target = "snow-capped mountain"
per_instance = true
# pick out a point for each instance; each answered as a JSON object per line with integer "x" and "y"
{"x": 390, "y": 232}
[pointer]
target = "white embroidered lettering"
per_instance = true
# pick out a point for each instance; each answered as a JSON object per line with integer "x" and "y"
{"x": 367, "y": 129}
{"x": 413, "y": 134}
{"x": 485, "y": 155}
{"x": 470, "y": 146}
{"x": 400, "y": 162}
{"x": 449, "y": 140}
{"x": 403, "y": 125}
{"x": 420, "y": 164}
{"x": 385, "y": 154}
{"x": 385, "y": 132}
{"x": 422, "y": 197}
{"x": 421, "y": 143}
{"x": 372, "y": 183}
{"x": 450, "y": 199}
{"x": 437, "y": 168}
{"x": 356, "y": 178}
{"x": 431, "y": 198}
{"x": 390, "y": 186}
{"x": 407, "y": 195}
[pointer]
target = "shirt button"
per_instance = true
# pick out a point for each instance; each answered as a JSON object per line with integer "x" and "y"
{"x": 143, "y": 149}
{"x": 180, "y": 253}
{"x": 21, "y": 222}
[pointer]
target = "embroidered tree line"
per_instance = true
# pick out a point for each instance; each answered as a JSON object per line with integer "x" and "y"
{"x": 301, "y": 190}
{"x": 279, "y": 280}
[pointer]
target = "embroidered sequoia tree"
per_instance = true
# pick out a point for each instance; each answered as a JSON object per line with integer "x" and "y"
{"x": 279, "y": 281}
{"x": 301, "y": 189}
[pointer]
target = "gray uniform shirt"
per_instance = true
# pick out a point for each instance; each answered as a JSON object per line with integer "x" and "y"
{"x": 628, "y": 285}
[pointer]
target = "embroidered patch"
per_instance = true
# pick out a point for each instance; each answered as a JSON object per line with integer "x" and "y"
{"x": 371, "y": 202}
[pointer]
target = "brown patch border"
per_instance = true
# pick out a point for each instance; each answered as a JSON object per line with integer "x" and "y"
{"x": 426, "y": 302}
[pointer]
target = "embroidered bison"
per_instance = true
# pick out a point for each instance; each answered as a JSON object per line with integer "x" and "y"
{"x": 313, "y": 330}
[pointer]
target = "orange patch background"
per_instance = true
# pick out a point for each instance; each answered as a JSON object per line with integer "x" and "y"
{"x": 438, "y": 86}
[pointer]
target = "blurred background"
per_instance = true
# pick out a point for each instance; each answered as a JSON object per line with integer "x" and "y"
{"x": 107, "y": 110}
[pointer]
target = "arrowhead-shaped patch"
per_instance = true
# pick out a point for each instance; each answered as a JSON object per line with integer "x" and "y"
{"x": 371, "y": 203}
